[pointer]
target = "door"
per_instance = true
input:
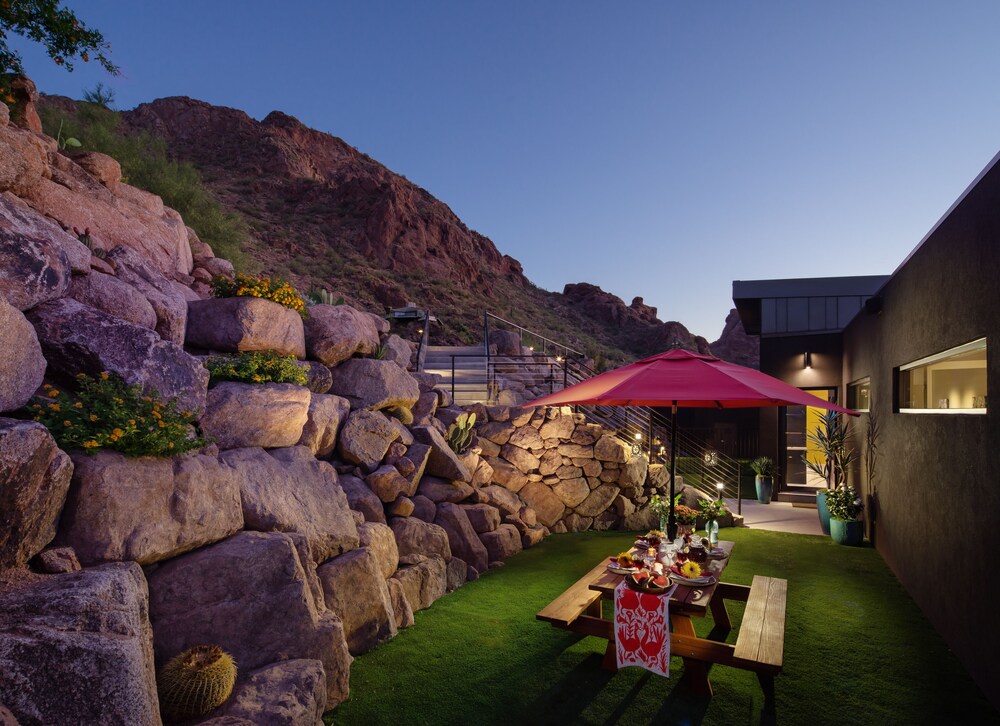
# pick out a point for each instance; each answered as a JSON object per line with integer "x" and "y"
{"x": 799, "y": 422}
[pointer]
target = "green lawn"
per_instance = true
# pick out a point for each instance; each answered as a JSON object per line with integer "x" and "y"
{"x": 857, "y": 650}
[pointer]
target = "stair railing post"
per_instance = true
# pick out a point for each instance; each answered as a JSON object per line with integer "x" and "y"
{"x": 739, "y": 487}
{"x": 453, "y": 379}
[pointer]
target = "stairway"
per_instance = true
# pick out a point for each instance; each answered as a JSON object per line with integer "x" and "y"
{"x": 470, "y": 384}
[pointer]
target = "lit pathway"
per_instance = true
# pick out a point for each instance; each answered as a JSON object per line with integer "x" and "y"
{"x": 779, "y": 517}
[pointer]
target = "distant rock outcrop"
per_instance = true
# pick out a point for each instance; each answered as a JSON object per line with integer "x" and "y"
{"x": 735, "y": 346}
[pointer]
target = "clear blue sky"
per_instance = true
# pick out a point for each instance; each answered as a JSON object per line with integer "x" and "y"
{"x": 660, "y": 149}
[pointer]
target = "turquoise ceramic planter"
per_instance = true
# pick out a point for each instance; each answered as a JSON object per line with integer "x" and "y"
{"x": 764, "y": 488}
{"x": 849, "y": 532}
{"x": 824, "y": 512}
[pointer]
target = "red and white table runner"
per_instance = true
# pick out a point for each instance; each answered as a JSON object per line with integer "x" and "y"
{"x": 642, "y": 630}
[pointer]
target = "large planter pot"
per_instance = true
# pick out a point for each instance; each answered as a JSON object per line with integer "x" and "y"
{"x": 849, "y": 532}
{"x": 824, "y": 512}
{"x": 764, "y": 487}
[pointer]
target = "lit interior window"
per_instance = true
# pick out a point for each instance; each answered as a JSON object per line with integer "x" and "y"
{"x": 859, "y": 395}
{"x": 953, "y": 381}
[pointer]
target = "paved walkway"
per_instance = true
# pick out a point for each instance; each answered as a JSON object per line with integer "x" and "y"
{"x": 779, "y": 517}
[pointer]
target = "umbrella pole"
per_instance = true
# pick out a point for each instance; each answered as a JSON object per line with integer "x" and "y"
{"x": 672, "y": 519}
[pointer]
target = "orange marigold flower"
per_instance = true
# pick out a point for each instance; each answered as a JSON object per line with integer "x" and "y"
{"x": 54, "y": 406}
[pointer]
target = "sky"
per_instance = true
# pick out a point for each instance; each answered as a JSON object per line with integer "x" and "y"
{"x": 657, "y": 149}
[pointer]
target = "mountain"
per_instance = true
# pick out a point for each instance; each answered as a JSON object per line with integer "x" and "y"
{"x": 325, "y": 215}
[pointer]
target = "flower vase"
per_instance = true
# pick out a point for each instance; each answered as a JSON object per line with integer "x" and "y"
{"x": 712, "y": 532}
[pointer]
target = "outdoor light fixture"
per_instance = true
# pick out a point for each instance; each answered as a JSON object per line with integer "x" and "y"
{"x": 559, "y": 359}
{"x": 420, "y": 332}
{"x": 720, "y": 486}
{"x": 809, "y": 360}
{"x": 636, "y": 448}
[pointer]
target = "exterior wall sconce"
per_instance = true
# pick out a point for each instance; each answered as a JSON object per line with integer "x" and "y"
{"x": 808, "y": 360}
{"x": 636, "y": 447}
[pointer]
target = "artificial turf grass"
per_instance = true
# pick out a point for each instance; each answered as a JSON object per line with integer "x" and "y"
{"x": 857, "y": 650}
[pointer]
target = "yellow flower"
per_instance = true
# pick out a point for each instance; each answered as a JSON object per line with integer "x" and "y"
{"x": 131, "y": 422}
{"x": 691, "y": 569}
{"x": 117, "y": 432}
{"x": 104, "y": 375}
{"x": 67, "y": 423}
{"x": 78, "y": 404}
{"x": 54, "y": 407}
{"x": 90, "y": 444}
{"x": 53, "y": 392}
{"x": 170, "y": 445}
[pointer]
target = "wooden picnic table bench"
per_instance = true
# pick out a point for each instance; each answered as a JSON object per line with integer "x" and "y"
{"x": 759, "y": 645}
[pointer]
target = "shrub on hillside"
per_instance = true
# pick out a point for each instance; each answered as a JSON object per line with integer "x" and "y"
{"x": 107, "y": 413}
{"x": 268, "y": 288}
{"x": 255, "y": 367}
{"x": 145, "y": 164}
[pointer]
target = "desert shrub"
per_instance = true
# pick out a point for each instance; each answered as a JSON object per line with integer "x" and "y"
{"x": 262, "y": 286}
{"x": 255, "y": 367}
{"x": 145, "y": 164}
{"x": 107, "y": 413}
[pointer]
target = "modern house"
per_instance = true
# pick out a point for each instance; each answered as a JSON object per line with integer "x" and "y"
{"x": 918, "y": 351}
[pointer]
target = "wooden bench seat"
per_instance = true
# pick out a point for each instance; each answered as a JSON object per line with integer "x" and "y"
{"x": 578, "y": 600}
{"x": 760, "y": 646}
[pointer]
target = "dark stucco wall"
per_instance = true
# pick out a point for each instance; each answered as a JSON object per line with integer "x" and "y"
{"x": 938, "y": 478}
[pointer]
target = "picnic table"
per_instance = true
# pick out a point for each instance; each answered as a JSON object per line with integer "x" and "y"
{"x": 759, "y": 645}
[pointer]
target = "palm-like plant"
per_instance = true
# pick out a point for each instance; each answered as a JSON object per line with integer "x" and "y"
{"x": 831, "y": 438}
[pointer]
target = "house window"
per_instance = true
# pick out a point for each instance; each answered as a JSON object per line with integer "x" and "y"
{"x": 859, "y": 394}
{"x": 950, "y": 382}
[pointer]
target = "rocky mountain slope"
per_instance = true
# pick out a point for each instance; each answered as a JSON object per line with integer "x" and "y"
{"x": 325, "y": 215}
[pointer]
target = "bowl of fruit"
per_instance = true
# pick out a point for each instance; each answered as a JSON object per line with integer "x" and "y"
{"x": 649, "y": 582}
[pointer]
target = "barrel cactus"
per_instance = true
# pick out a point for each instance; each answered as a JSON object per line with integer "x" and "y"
{"x": 401, "y": 413}
{"x": 195, "y": 682}
{"x": 460, "y": 432}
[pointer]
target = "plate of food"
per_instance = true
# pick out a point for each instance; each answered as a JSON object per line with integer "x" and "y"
{"x": 691, "y": 573}
{"x": 624, "y": 563}
{"x": 645, "y": 581}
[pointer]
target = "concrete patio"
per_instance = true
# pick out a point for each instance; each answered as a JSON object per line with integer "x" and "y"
{"x": 778, "y": 517}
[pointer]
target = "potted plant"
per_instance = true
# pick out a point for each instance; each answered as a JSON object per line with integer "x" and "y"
{"x": 685, "y": 516}
{"x": 763, "y": 469}
{"x": 845, "y": 506}
{"x": 831, "y": 439}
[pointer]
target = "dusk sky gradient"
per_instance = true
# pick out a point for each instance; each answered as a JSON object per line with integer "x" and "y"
{"x": 659, "y": 149}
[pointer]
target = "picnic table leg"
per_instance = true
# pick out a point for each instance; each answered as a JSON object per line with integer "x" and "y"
{"x": 720, "y": 614}
{"x": 695, "y": 671}
{"x": 610, "y": 661}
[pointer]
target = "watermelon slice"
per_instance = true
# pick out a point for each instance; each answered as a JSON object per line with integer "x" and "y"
{"x": 660, "y": 581}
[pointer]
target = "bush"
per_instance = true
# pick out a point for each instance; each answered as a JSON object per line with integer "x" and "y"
{"x": 265, "y": 367}
{"x": 274, "y": 289}
{"x": 107, "y": 413}
{"x": 145, "y": 164}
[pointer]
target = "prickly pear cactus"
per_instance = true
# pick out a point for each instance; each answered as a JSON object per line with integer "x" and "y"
{"x": 460, "y": 432}
{"x": 195, "y": 682}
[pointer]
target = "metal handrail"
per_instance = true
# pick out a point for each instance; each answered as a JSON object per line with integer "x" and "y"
{"x": 522, "y": 330}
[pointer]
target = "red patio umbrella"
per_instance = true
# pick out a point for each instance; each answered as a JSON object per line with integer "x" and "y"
{"x": 682, "y": 379}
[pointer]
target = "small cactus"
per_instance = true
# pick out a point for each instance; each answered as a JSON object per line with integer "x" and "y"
{"x": 402, "y": 414}
{"x": 195, "y": 682}
{"x": 460, "y": 432}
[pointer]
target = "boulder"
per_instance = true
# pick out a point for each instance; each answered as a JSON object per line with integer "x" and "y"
{"x": 502, "y": 498}
{"x": 35, "y": 255}
{"x": 102, "y": 167}
{"x": 522, "y": 460}
{"x": 458, "y": 573}
{"x": 402, "y": 507}
{"x": 483, "y": 474}
{"x": 527, "y": 437}
{"x": 318, "y": 376}
{"x": 507, "y": 342}
{"x": 148, "y": 509}
{"x": 548, "y": 506}
{"x": 419, "y": 455}
{"x": 415, "y": 537}
{"x": 442, "y": 461}
{"x": 575, "y": 523}
{"x": 111, "y": 295}
{"x": 608, "y": 448}
{"x": 287, "y": 693}
{"x": 576, "y": 451}
{"x": 55, "y": 561}
{"x": 502, "y": 543}
{"x": 326, "y": 414}
{"x": 401, "y": 609}
{"x": 560, "y": 427}
{"x": 388, "y": 484}
{"x": 442, "y": 490}
{"x": 569, "y": 472}
{"x": 269, "y": 415}
{"x": 334, "y": 333}
{"x": 506, "y": 474}
{"x": 427, "y": 381}
{"x": 356, "y": 592}
{"x": 641, "y": 519}
{"x": 374, "y": 384}
{"x": 423, "y": 583}
{"x": 397, "y": 350}
{"x": 633, "y": 474}
{"x": 365, "y": 438}
{"x": 482, "y": 517}
{"x": 462, "y": 537}
{"x": 78, "y": 649}
{"x": 168, "y": 297}
{"x": 592, "y": 467}
{"x": 362, "y": 499}
{"x": 528, "y": 516}
{"x": 496, "y": 431}
{"x": 230, "y": 593}
{"x": 597, "y": 501}
{"x": 239, "y": 324}
{"x": 77, "y": 338}
{"x": 532, "y": 536}
{"x": 287, "y": 490}
{"x": 34, "y": 480}
{"x": 572, "y": 491}
{"x": 550, "y": 462}
{"x": 381, "y": 541}
{"x": 23, "y": 159}
{"x": 425, "y": 408}
{"x": 423, "y": 508}
{"x": 22, "y": 366}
